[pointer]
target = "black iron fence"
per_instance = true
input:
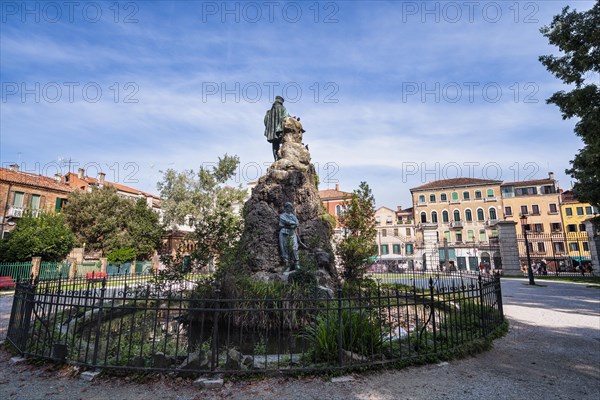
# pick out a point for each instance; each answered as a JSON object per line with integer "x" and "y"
{"x": 186, "y": 326}
{"x": 556, "y": 254}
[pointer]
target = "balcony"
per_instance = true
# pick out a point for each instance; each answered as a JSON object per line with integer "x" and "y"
{"x": 487, "y": 199}
{"x": 15, "y": 212}
{"x": 491, "y": 222}
{"x": 456, "y": 224}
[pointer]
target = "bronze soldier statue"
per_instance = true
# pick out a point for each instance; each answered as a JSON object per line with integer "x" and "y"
{"x": 274, "y": 119}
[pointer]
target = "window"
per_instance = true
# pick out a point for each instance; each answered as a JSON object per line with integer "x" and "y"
{"x": 480, "y": 216}
{"x": 490, "y": 193}
{"x": 384, "y": 249}
{"x": 468, "y": 215}
{"x": 571, "y": 228}
{"x": 581, "y": 227}
{"x": 396, "y": 249}
{"x": 338, "y": 209}
{"x": 459, "y": 236}
{"x": 535, "y": 209}
{"x": 548, "y": 189}
{"x": 540, "y": 247}
{"x": 569, "y": 212}
{"x": 432, "y": 198}
{"x": 588, "y": 210}
{"x": 60, "y": 203}
{"x": 586, "y": 246}
{"x": 493, "y": 215}
{"x": 508, "y": 211}
{"x": 35, "y": 201}
{"x": 443, "y": 197}
{"x": 553, "y": 209}
{"x": 456, "y": 215}
{"x": 409, "y": 248}
{"x": 555, "y": 227}
{"x": 579, "y": 210}
{"x": 466, "y": 196}
{"x": 524, "y": 210}
{"x": 447, "y": 235}
{"x": 421, "y": 199}
{"x": 377, "y": 220}
{"x": 395, "y": 231}
{"x": 434, "y": 218}
{"x": 527, "y": 227}
{"x": 482, "y": 235}
{"x": 384, "y": 233}
{"x": 18, "y": 200}
{"x": 454, "y": 196}
{"x": 478, "y": 195}
{"x": 470, "y": 235}
{"x": 559, "y": 247}
{"x": 408, "y": 232}
{"x": 445, "y": 217}
{"x": 525, "y": 191}
{"x": 508, "y": 191}
{"x": 423, "y": 217}
{"x": 389, "y": 220}
{"x": 574, "y": 246}
{"x": 538, "y": 228}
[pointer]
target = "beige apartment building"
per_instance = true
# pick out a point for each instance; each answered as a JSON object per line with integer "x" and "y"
{"x": 464, "y": 212}
{"x": 396, "y": 236}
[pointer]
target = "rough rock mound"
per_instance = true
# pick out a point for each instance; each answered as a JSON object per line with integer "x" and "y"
{"x": 291, "y": 178}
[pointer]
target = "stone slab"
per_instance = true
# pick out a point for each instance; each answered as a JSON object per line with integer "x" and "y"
{"x": 18, "y": 360}
{"x": 89, "y": 375}
{"x": 209, "y": 383}
{"x": 342, "y": 379}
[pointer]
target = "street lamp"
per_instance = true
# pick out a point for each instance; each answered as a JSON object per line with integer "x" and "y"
{"x": 529, "y": 270}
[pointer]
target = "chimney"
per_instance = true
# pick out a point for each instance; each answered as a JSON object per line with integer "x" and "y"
{"x": 101, "y": 176}
{"x": 399, "y": 208}
{"x": 13, "y": 167}
{"x": 80, "y": 173}
{"x": 550, "y": 175}
{"x": 337, "y": 187}
{"x": 57, "y": 178}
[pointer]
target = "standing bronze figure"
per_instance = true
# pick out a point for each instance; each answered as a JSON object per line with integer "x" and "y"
{"x": 274, "y": 119}
{"x": 288, "y": 240}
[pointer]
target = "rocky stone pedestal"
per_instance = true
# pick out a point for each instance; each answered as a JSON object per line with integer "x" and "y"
{"x": 291, "y": 178}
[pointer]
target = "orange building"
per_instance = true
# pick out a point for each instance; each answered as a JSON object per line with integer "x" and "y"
{"x": 334, "y": 201}
{"x": 24, "y": 192}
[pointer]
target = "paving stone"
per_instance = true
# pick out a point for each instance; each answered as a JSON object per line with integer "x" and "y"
{"x": 341, "y": 379}
{"x": 18, "y": 360}
{"x": 89, "y": 375}
{"x": 209, "y": 383}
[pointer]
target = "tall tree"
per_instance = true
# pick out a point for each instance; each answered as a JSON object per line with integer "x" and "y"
{"x": 105, "y": 221}
{"x": 577, "y": 35}
{"x": 359, "y": 243}
{"x": 204, "y": 201}
{"x": 46, "y": 236}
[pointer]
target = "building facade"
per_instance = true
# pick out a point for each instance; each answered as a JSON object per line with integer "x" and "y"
{"x": 464, "y": 213}
{"x": 574, "y": 213}
{"x": 334, "y": 201}
{"x": 23, "y": 193}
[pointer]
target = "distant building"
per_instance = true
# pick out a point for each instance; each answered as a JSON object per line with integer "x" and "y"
{"x": 22, "y": 193}
{"x": 395, "y": 234}
{"x": 334, "y": 201}
{"x": 574, "y": 213}
{"x": 464, "y": 212}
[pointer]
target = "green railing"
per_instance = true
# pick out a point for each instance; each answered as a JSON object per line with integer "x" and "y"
{"x": 18, "y": 270}
{"x": 88, "y": 266}
{"x": 54, "y": 270}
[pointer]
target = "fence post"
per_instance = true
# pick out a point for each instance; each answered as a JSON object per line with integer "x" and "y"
{"x": 103, "y": 264}
{"x": 132, "y": 268}
{"x": 432, "y": 308}
{"x": 499, "y": 294}
{"x": 340, "y": 349}
{"x": 72, "y": 268}
{"x": 35, "y": 267}
{"x": 99, "y": 323}
{"x": 215, "y": 333}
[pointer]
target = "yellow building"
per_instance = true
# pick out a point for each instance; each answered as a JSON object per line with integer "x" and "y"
{"x": 574, "y": 213}
{"x": 466, "y": 211}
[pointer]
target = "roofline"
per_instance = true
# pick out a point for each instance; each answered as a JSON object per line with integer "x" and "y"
{"x": 489, "y": 183}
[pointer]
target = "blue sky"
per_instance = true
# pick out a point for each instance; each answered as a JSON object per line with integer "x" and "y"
{"x": 393, "y": 93}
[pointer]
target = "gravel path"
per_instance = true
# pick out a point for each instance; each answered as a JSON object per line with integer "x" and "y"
{"x": 552, "y": 351}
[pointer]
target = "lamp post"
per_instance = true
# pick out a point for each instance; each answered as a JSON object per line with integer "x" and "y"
{"x": 529, "y": 270}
